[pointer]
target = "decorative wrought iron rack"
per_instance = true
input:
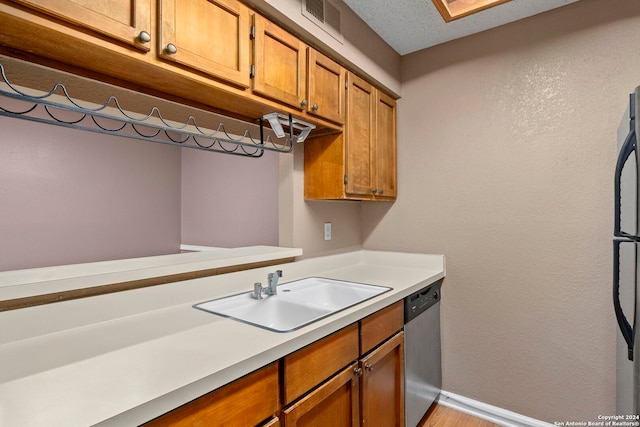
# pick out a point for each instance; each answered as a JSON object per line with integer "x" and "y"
{"x": 58, "y": 108}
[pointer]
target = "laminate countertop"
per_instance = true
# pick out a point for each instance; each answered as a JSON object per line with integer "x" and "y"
{"x": 125, "y": 358}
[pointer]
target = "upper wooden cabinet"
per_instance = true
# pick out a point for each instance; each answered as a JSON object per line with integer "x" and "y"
{"x": 360, "y": 143}
{"x": 279, "y": 64}
{"x": 211, "y": 36}
{"x": 370, "y": 142}
{"x": 127, "y": 21}
{"x": 359, "y": 164}
{"x": 326, "y": 87}
{"x": 385, "y": 142}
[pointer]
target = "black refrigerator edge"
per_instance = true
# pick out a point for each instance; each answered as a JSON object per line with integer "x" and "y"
{"x": 626, "y": 257}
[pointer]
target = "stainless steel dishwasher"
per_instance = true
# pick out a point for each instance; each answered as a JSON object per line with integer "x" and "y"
{"x": 423, "y": 371}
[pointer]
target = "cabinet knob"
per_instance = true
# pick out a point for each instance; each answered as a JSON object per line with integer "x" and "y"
{"x": 144, "y": 37}
{"x": 303, "y": 103}
{"x": 171, "y": 49}
{"x": 374, "y": 190}
{"x": 368, "y": 367}
{"x": 314, "y": 107}
{"x": 357, "y": 370}
{"x": 381, "y": 192}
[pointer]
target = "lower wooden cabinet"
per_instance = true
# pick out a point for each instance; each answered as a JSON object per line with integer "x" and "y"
{"x": 382, "y": 384}
{"x": 248, "y": 401}
{"x": 353, "y": 377}
{"x": 335, "y": 403}
{"x": 313, "y": 364}
{"x": 369, "y": 392}
{"x": 273, "y": 422}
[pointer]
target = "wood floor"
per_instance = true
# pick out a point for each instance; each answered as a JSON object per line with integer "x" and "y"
{"x": 441, "y": 416}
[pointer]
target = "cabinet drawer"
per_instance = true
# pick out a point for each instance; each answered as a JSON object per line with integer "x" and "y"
{"x": 379, "y": 326}
{"x": 247, "y": 401}
{"x": 308, "y": 367}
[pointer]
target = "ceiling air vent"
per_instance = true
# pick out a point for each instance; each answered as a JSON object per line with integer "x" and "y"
{"x": 325, "y": 15}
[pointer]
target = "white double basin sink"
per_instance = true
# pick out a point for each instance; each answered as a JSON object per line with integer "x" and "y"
{"x": 296, "y": 303}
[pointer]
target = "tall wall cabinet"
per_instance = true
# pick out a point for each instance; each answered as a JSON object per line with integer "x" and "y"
{"x": 360, "y": 163}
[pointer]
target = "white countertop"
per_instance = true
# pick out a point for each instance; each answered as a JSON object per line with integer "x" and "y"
{"x": 38, "y": 281}
{"x": 124, "y": 358}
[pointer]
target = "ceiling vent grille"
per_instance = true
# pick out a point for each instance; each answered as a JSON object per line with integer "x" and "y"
{"x": 315, "y": 8}
{"x": 326, "y": 15}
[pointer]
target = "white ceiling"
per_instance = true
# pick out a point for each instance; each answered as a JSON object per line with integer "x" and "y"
{"x": 411, "y": 25}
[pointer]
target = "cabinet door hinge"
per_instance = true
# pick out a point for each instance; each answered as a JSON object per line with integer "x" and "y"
{"x": 252, "y": 32}
{"x": 252, "y": 71}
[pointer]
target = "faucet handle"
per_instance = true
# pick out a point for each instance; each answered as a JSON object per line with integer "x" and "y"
{"x": 257, "y": 291}
{"x": 279, "y": 273}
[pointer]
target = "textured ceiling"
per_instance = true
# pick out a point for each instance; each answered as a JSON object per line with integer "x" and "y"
{"x": 411, "y": 25}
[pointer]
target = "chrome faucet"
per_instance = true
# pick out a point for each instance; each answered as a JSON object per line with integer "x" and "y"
{"x": 272, "y": 280}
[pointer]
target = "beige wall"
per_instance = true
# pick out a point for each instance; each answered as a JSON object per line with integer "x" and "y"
{"x": 69, "y": 196}
{"x": 229, "y": 201}
{"x": 302, "y": 222}
{"x": 506, "y": 155}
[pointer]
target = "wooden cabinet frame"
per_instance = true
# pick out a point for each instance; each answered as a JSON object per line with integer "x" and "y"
{"x": 125, "y": 28}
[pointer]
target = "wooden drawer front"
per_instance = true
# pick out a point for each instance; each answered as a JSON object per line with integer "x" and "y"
{"x": 245, "y": 402}
{"x": 381, "y": 325}
{"x": 335, "y": 403}
{"x": 308, "y": 367}
{"x": 273, "y": 422}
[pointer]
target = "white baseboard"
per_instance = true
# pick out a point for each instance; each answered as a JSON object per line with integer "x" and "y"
{"x": 488, "y": 412}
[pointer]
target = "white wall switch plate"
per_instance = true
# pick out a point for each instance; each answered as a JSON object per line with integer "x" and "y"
{"x": 327, "y": 231}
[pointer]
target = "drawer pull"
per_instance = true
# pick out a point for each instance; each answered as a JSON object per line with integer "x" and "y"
{"x": 144, "y": 37}
{"x": 171, "y": 49}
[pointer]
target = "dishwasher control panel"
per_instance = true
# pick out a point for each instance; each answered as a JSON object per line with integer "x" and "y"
{"x": 421, "y": 300}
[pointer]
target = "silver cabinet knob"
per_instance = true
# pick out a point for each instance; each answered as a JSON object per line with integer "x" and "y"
{"x": 303, "y": 103}
{"x": 171, "y": 49}
{"x": 381, "y": 192}
{"x": 368, "y": 367}
{"x": 144, "y": 37}
{"x": 314, "y": 107}
{"x": 374, "y": 190}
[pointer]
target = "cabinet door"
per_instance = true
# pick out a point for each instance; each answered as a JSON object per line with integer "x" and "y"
{"x": 122, "y": 20}
{"x": 326, "y": 87}
{"x": 385, "y": 137}
{"x": 335, "y": 403}
{"x": 382, "y": 384}
{"x": 359, "y": 139}
{"x": 247, "y": 401}
{"x": 280, "y": 65}
{"x": 211, "y": 36}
